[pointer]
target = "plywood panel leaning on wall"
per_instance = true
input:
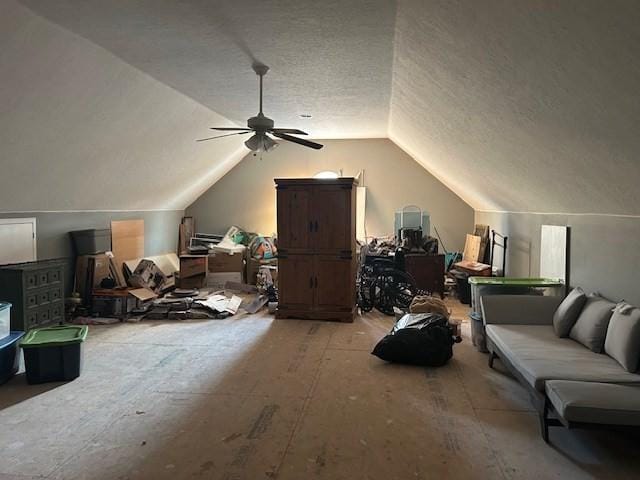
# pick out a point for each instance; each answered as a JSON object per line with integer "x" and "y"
{"x": 127, "y": 239}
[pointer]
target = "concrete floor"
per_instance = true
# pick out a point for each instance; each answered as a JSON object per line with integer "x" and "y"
{"x": 251, "y": 397}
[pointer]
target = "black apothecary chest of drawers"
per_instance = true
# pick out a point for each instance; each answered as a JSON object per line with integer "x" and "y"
{"x": 35, "y": 291}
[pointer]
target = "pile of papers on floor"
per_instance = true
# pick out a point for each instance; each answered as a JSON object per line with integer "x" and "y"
{"x": 195, "y": 304}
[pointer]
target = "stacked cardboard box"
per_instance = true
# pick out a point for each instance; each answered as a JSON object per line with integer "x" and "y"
{"x": 193, "y": 271}
{"x": 225, "y": 267}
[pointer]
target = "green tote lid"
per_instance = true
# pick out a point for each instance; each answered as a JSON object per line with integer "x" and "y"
{"x": 515, "y": 282}
{"x": 55, "y": 336}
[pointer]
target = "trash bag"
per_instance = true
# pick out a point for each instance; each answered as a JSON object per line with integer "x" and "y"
{"x": 418, "y": 339}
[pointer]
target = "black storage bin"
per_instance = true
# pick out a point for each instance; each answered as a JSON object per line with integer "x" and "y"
{"x": 463, "y": 288}
{"x": 92, "y": 241}
{"x": 53, "y": 364}
{"x": 53, "y": 354}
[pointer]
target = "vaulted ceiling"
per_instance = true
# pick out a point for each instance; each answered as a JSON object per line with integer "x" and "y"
{"x": 521, "y": 106}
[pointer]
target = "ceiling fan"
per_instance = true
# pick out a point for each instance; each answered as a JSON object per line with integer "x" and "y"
{"x": 261, "y": 125}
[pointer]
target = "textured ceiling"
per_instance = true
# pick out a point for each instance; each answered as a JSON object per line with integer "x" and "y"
{"x": 516, "y": 105}
{"x": 523, "y": 105}
{"x": 331, "y": 59}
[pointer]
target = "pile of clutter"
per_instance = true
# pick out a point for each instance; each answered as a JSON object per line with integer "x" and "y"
{"x": 208, "y": 280}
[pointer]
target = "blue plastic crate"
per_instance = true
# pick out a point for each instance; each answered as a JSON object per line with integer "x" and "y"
{"x": 9, "y": 356}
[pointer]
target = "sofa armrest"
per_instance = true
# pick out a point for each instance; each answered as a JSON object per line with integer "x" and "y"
{"x": 519, "y": 309}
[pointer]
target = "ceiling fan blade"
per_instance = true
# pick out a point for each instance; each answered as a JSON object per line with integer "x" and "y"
{"x": 220, "y": 136}
{"x": 291, "y": 131}
{"x": 299, "y": 141}
{"x": 230, "y": 129}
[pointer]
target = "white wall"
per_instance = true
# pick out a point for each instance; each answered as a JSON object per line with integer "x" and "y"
{"x": 246, "y": 195}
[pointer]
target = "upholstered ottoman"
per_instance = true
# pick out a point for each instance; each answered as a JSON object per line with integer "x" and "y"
{"x": 582, "y": 404}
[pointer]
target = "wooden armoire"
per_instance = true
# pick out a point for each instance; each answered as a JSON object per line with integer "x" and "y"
{"x": 316, "y": 248}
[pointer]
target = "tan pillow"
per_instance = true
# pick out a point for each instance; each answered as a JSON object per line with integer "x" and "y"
{"x": 623, "y": 337}
{"x": 567, "y": 312}
{"x": 590, "y": 328}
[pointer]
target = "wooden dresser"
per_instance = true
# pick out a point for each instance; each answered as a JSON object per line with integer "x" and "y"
{"x": 35, "y": 291}
{"x": 427, "y": 271}
{"x": 316, "y": 248}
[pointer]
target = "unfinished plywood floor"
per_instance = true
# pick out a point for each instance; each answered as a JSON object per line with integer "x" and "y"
{"x": 253, "y": 397}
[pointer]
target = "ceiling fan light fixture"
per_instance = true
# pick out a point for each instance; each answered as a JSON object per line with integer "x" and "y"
{"x": 261, "y": 125}
{"x": 261, "y": 143}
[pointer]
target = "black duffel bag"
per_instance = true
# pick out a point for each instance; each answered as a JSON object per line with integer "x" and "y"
{"x": 418, "y": 339}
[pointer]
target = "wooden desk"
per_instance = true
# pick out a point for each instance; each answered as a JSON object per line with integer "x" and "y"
{"x": 427, "y": 271}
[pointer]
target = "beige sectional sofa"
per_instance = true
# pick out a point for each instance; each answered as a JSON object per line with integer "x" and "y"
{"x": 520, "y": 331}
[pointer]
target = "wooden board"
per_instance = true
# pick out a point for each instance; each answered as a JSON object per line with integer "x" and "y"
{"x": 482, "y": 231}
{"x": 116, "y": 270}
{"x": 186, "y": 230}
{"x": 127, "y": 239}
{"x": 472, "y": 248}
{"x": 553, "y": 252}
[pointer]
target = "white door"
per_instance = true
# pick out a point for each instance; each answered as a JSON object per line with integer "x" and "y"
{"x": 17, "y": 240}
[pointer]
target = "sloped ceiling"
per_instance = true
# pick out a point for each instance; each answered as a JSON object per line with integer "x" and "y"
{"x": 519, "y": 106}
{"x": 522, "y": 105}
{"x": 331, "y": 59}
{"x": 82, "y": 130}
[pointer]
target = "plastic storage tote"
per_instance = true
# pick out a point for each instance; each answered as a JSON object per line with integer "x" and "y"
{"x": 9, "y": 356}
{"x": 91, "y": 242}
{"x": 512, "y": 286}
{"x": 53, "y": 354}
{"x": 478, "y": 335}
{"x": 5, "y": 319}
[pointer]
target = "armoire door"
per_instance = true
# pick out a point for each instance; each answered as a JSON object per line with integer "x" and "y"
{"x": 334, "y": 283}
{"x": 332, "y": 217}
{"x": 296, "y": 281}
{"x": 294, "y": 222}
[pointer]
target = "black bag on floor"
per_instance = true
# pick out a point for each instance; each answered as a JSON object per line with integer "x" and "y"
{"x": 418, "y": 339}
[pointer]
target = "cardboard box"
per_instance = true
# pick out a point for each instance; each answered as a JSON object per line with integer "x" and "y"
{"x": 223, "y": 262}
{"x": 148, "y": 275}
{"x": 119, "y": 302}
{"x": 192, "y": 266}
{"x": 217, "y": 280}
{"x": 168, "y": 263}
{"x": 196, "y": 281}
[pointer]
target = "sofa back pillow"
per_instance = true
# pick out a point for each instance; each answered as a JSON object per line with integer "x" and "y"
{"x": 623, "y": 337}
{"x": 590, "y": 328}
{"x": 568, "y": 311}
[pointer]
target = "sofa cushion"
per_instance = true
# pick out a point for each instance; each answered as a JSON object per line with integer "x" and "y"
{"x": 539, "y": 355}
{"x": 593, "y": 402}
{"x": 623, "y": 337}
{"x": 568, "y": 311}
{"x": 590, "y": 328}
